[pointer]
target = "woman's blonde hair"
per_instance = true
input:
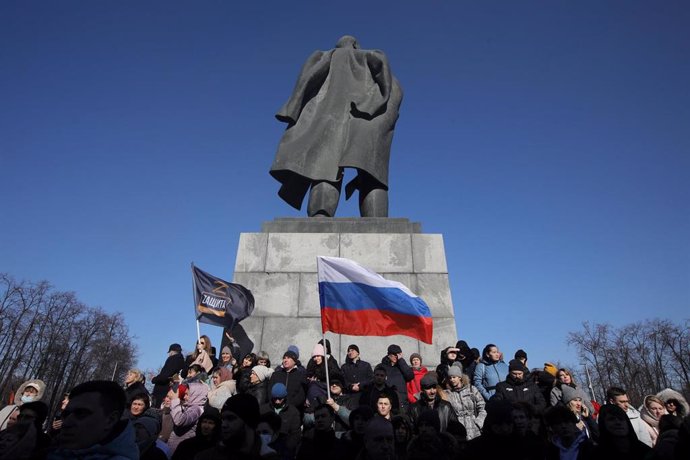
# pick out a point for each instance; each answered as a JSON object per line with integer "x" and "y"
{"x": 138, "y": 373}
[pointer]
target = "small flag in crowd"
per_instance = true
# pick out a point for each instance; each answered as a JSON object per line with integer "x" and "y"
{"x": 218, "y": 302}
{"x": 358, "y": 301}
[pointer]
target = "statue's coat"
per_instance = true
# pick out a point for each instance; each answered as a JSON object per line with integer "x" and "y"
{"x": 341, "y": 114}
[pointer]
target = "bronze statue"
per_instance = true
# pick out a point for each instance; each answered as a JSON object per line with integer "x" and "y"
{"x": 341, "y": 114}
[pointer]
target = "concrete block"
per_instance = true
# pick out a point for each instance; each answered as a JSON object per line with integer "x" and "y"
{"x": 279, "y": 333}
{"x": 275, "y": 294}
{"x": 444, "y": 336}
{"x": 251, "y": 252}
{"x": 383, "y": 253}
{"x": 341, "y": 225}
{"x": 296, "y": 252}
{"x": 428, "y": 254}
{"x": 309, "y": 305}
{"x": 435, "y": 290}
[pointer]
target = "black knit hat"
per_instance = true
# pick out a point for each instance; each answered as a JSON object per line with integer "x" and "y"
{"x": 394, "y": 349}
{"x": 245, "y": 406}
{"x": 515, "y": 365}
{"x": 175, "y": 347}
{"x": 520, "y": 354}
{"x": 353, "y": 347}
{"x": 291, "y": 354}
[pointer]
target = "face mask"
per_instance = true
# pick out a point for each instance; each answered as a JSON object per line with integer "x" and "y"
{"x": 277, "y": 405}
{"x": 266, "y": 438}
{"x": 27, "y": 399}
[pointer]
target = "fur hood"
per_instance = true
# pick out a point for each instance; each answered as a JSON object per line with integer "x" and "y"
{"x": 670, "y": 393}
{"x": 20, "y": 391}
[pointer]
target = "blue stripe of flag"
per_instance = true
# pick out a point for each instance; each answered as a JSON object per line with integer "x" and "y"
{"x": 358, "y": 296}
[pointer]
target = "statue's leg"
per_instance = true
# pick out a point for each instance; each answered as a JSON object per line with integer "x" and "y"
{"x": 373, "y": 202}
{"x": 323, "y": 198}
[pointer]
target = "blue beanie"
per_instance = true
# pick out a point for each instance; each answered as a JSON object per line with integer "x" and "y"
{"x": 278, "y": 391}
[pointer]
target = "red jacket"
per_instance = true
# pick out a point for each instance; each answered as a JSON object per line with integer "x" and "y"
{"x": 414, "y": 386}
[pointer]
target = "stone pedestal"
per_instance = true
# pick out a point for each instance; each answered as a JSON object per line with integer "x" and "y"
{"x": 279, "y": 266}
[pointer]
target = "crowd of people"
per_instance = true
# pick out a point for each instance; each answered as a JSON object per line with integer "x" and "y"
{"x": 473, "y": 405}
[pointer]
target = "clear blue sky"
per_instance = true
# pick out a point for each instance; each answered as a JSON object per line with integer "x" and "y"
{"x": 548, "y": 141}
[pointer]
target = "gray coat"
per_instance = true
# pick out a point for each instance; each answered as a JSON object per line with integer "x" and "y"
{"x": 469, "y": 407}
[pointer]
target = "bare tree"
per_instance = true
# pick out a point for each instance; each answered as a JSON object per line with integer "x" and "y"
{"x": 643, "y": 357}
{"x": 50, "y": 335}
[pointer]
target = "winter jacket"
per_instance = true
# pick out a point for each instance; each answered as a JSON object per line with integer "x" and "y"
{"x": 185, "y": 415}
{"x": 369, "y": 396}
{"x": 122, "y": 447}
{"x": 581, "y": 449}
{"x": 639, "y": 425}
{"x": 442, "y": 368}
{"x": 487, "y": 375}
{"x": 346, "y": 404}
{"x": 161, "y": 382}
{"x": 295, "y": 381}
{"x": 9, "y": 409}
{"x": 469, "y": 406}
{"x": 609, "y": 444}
{"x": 356, "y": 371}
{"x": 259, "y": 391}
{"x": 651, "y": 421}
{"x": 166, "y": 424}
{"x": 316, "y": 379}
{"x": 556, "y": 397}
{"x": 291, "y": 426}
{"x": 413, "y": 386}
{"x": 135, "y": 389}
{"x": 398, "y": 375}
{"x": 665, "y": 445}
{"x": 445, "y": 411}
{"x": 188, "y": 448}
{"x": 520, "y": 390}
{"x": 218, "y": 395}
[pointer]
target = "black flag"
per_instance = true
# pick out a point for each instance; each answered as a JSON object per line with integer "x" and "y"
{"x": 218, "y": 302}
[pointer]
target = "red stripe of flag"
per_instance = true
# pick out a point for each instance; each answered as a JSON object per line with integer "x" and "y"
{"x": 376, "y": 323}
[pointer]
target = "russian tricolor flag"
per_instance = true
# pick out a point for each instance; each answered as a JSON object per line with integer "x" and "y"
{"x": 358, "y": 301}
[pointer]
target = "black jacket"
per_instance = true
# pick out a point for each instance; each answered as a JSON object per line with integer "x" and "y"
{"x": 296, "y": 383}
{"x": 356, "y": 372}
{"x": 290, "y": 427}
{"x": 259, "y": 391}
{"x": 398, "y": 375}
{"x": 524, "y": 390}
{"x": 369, "y": 396}
{"x": 445, "y": 411}
{"x": 161, "y": 382}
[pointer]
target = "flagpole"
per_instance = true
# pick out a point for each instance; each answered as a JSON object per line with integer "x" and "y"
{"x": 325, "y": 363}
{"x": 323, "y": 336}
{"x": 198, "y": 332}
